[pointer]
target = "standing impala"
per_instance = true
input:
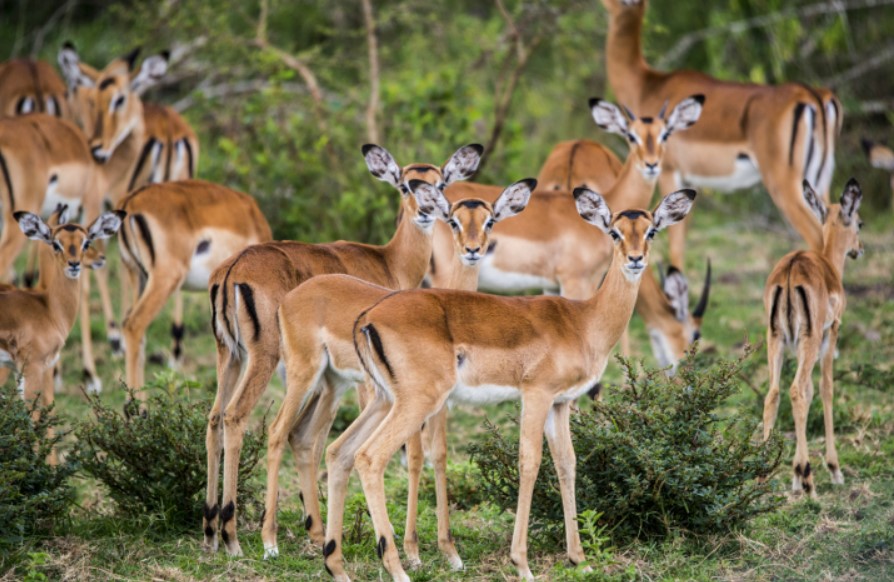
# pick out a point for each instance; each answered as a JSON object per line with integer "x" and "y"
{"x": 317, "y": 323}
{"x": 30, "y": 86}
{"x": 423, "y": 347}
{"x": 34, "y": 323}
{"x": 246, "y": 292}
{"x": 550, "y": 249}
{"x": 804, "y": 299}
{"x": 137, "y": 143}
{"x": 776, "y": 134}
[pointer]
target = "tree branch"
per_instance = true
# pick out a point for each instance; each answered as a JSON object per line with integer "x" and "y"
{"x": 863, "y": 66}
{"x": 372, "y": 109}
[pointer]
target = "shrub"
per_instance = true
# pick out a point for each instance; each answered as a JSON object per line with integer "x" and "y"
{"x": 155, "y": 463}
{"x": 34, "y": 496}
{"x": 652, "y": 457}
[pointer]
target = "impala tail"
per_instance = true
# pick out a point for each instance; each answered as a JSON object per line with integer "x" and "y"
{"x": 792, "y": 307}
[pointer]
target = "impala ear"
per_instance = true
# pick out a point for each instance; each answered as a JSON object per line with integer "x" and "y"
{"x": 463, "y": 163}
{"x": 814, "y": 202}
{"x": 514, "y": 199}
{"x": 59, "y": 216}
{"x": 151, "y": 71}
{"x": 850, "y": 200}
{"x": 381, "y": 164}
{"x": 592, "y": 208}
{"x": 33, "y": 226}
{"x": 673, "y": 208}
{"x": 685, "y": 114}
{"x": 676, "y": 288}
{"x": 608, "y": 117}
{"x": 72, "y": 69}
{"x": 106, "y": 225}
{"x": 430, "y": 199}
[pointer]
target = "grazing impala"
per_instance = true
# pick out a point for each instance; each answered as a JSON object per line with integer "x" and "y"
{"x": 423, "y": 347}
{"x": 550, "y": 249}
{"x": 881, "y": 157}
{"x": 779, "y": 135}
{"x": 317, "y": 323}
{"x": 34, "y": 323}
{"x": 137, "y": 143}
{"x": 804, "y": 299}
{"x": 29, "y": 86}
{"x": 246, "y": 292}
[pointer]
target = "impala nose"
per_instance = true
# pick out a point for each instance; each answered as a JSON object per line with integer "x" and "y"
{"x": 472, "y": 251}
{"x": 635, "y": 259}
{"x": 99, "y": 155}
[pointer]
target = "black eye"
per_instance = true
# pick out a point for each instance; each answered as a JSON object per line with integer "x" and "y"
{"x": 489, "y": 224}
{"x": 87, "y": 244}
{"x": 651, "y": 234}
{"x": 453, "y": 224}
{"x": 404, "y": 189}
{"x": 57, "y": 247}
{"x": 441, "y": 186}
{"x": 631, "y": 138}
{"x": 860, "y": 225}
{"x": 118, "y": 102}
{"x": 615, "y": 236}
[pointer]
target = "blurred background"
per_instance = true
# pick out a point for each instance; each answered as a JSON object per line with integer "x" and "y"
{"x": 282, "y": 94}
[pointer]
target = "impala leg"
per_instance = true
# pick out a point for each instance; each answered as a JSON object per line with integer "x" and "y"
{"x": 826, "y": 391}
{"x": 177, "y": 332}
{"x": 437, "y": 425}
{"x": 259, "y": 370}
{"x": 403, "y": 422}
{"x": 535, "y": 409}
{"x": 29, "y": 278}
{"x": 802, "y": 395}
{"x": 415, "y": 462}
{"x": 113, "y": 333}
{"x": 783, "y": 182}
{"x": 228, "y": 368}
{"x": 339, "y": 463}
{"x": 91, "y": 380}
{"x": 558, "y": 436}
{"x": 38, "y": 384}
{"x": 775, "y": 349}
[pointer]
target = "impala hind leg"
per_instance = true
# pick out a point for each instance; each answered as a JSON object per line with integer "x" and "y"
{"x": 775, "y": 354}
{"x": 827, "y": 393}
{"x": 437, "y": 424}
{"x": 259, "y": 369}
{"x": 177, "y": 332}
{"x": 802, "y": 396}
{"x": 339, "y": 463}
{"x": 228, "y": 368}
{"x": 415, "y": 463}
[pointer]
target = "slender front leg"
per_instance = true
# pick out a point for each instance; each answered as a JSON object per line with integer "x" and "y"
{"x": 535, "y": 408}
{"x": 558, "y": 435}
{"x": 93, "y": 384}
{"x": 827, "y": 393}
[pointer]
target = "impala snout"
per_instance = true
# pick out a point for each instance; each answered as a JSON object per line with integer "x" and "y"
{"x": 651, "y": 171}
{"x": 635, "y": 263}
{"x": 471, "y": 256}
{"x": 73, "y": 269}
{"x": 857, "y": 252}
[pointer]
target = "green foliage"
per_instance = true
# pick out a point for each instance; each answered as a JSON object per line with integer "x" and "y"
{"x": 154, "y": 464}
{"x": 653, "y": 458}
{"x": 34, "y": 495}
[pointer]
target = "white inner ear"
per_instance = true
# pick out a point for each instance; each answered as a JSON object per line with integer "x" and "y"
{"x": 153, "y": 69}
{"x": 609, "y": 118}
{"x": 513, "y": 200}
{"x": 461, "y": 165}
{"x": 684, "y": 114}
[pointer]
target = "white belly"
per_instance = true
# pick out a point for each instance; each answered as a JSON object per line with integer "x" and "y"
{"x": 54, "y": 198}
{"x": 6, "y": 358}
{"x": 494, "y": 280}
{"x": 483, "y": 394}
{"x": 200, "y": 268}
{"x": 745, "y": 174}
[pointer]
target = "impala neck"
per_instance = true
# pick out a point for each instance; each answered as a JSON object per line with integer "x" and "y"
{"x": 625, "y": 64}
{"x": 835, "y": 250}
{"x": 632, "y": 189}
{"x": 62, "y": 294}
{"x": 608, "y": 312}
{"x": 463, "y": 277}
{"x": 409, "y": 251}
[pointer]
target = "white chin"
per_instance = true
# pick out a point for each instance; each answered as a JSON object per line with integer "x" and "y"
{"x": 471, "y": 262}
{"x": 73, "y": 275}
{"x": 633, "y": 274}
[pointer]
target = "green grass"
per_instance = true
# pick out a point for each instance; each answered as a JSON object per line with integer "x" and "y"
{"x": 848, "y": 533}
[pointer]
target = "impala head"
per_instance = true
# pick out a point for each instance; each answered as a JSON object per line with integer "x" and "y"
{"x": 471, "y": 219}
{"x": 633, "y": 230}
{"x": 424, "y": 206}
{"x": 70, "y": 242}
{"x": 647, "y": 136}
{"x": 841, "y": 222}
{"x": 106, "y": 103}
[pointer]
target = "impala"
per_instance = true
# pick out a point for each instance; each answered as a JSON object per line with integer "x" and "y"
{"x": 34, "y": 323}
{"x": 29, "y": 86}
{"x": 749, "y": 133}
{"x": 550, "y": 249}
{"x": 804, "y": 299}
{"x": 880, "y": 156}
{"x": 176, "y": 234}
{"x": 424, "y": 347}
{"x": 317, "y": 323}
{"x": 579, "y": 162}
{"x": 136, "y": 143}
{"x": 247, "y": 289}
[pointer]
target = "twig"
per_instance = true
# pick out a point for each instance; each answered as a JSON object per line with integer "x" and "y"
{"x": 41, "y": 32}
{"x": 372, "y": 109}
{"x": 863, "y": 66}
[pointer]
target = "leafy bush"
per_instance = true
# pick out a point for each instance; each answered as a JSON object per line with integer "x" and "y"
{"x": 653, "y": 457}
{"x": 155, "y": 463}
{"x": 34, "y": 496}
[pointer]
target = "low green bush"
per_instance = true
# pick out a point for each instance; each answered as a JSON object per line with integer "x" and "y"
{"x": 653, "y": 457}
{"x": 34, "y": 495}
{"x": 154, "y": 464}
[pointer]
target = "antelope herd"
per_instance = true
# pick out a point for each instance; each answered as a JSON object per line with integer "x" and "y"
{"x": 405, "y": 321}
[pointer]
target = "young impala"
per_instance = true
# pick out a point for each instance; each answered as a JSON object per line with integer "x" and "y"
{"x": 423, "y": 347}
{"x": 804, "y": 299}
{"x": 247, "y": 289}
{"x": 317, "y": 323}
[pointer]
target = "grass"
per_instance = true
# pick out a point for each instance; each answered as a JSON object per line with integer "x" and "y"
{"x": 847, "y": 534}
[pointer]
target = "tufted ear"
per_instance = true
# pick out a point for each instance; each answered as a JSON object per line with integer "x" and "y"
{"x": 72, "y": 69}
{"x": 608, "y": 117}
{"x": 34, "y": 227}
{"x": 592, "y": 208}
{"x": 430, "y": 199}
{"x": 381, "y": 164}
{"x": 685, "y": 114}
{"x": 676, "y": 289}
{"x": 850, "y": 200}
{"x": 151, "y": 71}
{"x": 514, "y": 199}
{"x": 673, "y": 208}
{"x": 463, "y": 163}
{"x": 814, "y": 203}
{"x": 106, "y": 225}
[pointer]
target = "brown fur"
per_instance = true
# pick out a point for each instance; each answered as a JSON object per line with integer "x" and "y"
{"x": 37, "y": 80}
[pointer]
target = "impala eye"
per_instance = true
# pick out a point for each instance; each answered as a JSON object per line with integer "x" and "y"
{"x": 57, "y": 246}
{"x": 453, "y": 224}
{"x": 651, "y": 234}
{"x": 118, "y": 103}
{"x": 860, "y": 225}
{"x": 442, "y": 186}
{"x": 614, "y": 234}
{"x": 489, "y": 224}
